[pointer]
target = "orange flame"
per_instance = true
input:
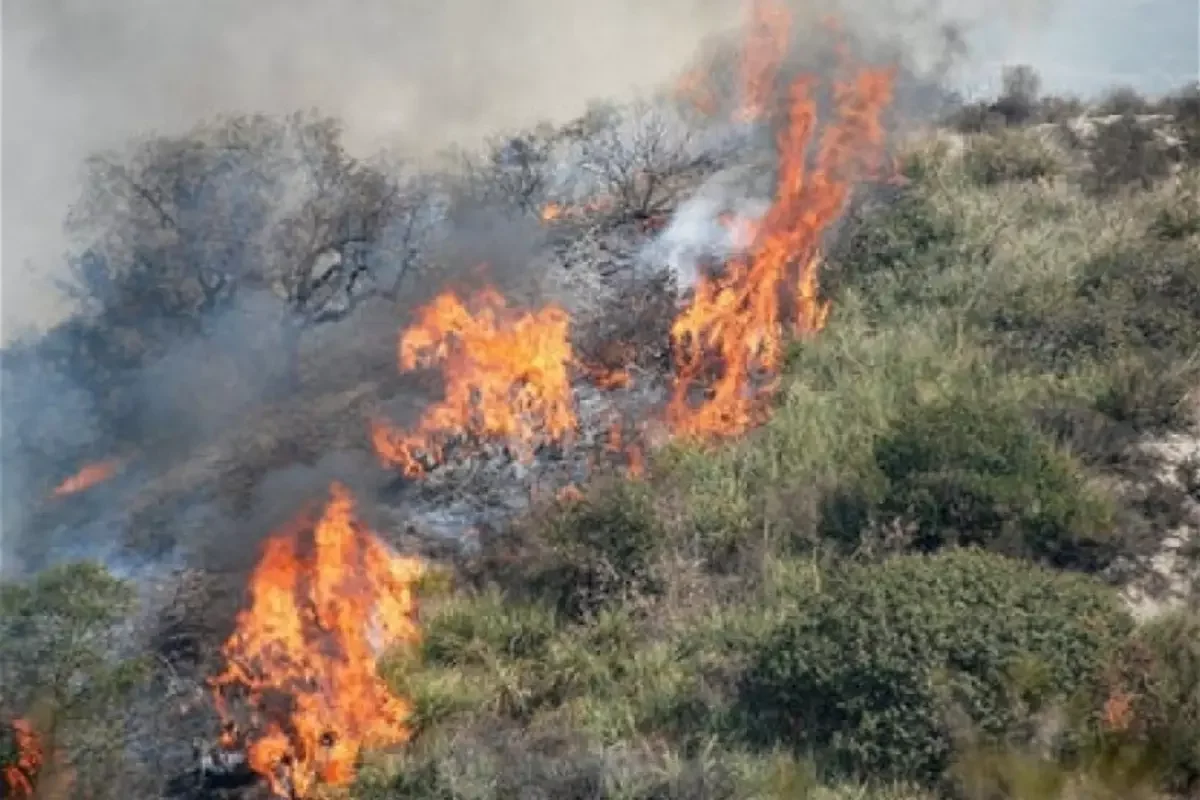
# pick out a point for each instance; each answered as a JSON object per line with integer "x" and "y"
{"x": 735, "y": 322}
{"x": 18, "y": 777}
{"x": 507, "y": 376}
{"x": 324, "y": 598}
{"x": 88, "y": 477}
{"x": 762, "y": 56}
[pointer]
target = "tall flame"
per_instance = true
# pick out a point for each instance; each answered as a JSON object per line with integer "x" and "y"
{"x": 325, "y": 598}
{"x": 507, "y": 376}
{"x": 735, "y": 323}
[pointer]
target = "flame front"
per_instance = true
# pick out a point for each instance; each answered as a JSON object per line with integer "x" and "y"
{"x": 735, "y": 322}
{"x": 507, "y": 376}
{"x": 325, "y": 598}
{"x": 89, "y": 476}
{"x": 18, "y": 776}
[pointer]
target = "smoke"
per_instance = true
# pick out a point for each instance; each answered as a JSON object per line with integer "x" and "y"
{"x": 82, "y": 76}
{"x": 85, "y": 75}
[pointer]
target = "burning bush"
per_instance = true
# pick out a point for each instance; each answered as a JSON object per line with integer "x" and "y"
{"x": 303, "y": 654}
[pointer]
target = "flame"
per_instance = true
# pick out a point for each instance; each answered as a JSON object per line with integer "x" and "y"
{"x": 18, "y": 776}
{"x": 324, "y": 598}
{"x": 89, "y": 476}
{"x": 506, "y": 372}
{"x": 735, "y": 322}
{"x": 765, "y": 49}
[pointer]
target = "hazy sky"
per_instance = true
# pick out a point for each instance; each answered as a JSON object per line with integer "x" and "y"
{"x": 80, "y": 75}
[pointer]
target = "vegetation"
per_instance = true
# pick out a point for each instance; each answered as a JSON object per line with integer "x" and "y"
{"x": 902, "y": 586}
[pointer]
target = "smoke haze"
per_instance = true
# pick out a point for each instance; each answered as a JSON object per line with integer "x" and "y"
{"x": 84, "y": 75}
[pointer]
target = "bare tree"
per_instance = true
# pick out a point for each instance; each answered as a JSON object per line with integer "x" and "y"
{"x": 513, "y": 171}
{"x": 637, "y": 161}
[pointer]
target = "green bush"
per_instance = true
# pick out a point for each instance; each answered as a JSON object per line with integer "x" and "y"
{"x": 891, "y": 249}
{"x": 1124, "y": 300}
{"x": 975, "y": 471}
{"x": 1155, "y": 696}
{"x": 62, "y": 641}
{"x": 1149, "y": 394}
{"x": 1127, "y": 153}
{"x": 1010, "y": 156}
{"x": 881, "y": 672}
{"x": 597, "y": 551}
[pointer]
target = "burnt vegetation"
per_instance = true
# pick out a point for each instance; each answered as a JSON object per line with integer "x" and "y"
{"x": 937, "y": 570}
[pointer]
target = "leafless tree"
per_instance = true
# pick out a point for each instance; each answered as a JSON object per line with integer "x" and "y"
{"x": 637, "y": 161}
{"x": 513, "y": 170}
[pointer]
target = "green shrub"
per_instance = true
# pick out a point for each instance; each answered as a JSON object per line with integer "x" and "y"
{"x": 1127, "y": 153}
{"x": 975, "y": 471}
{"x": 1149, "y": 394}
{"x": 601, "y": 550}
{"x": 1155, "y": 696}
{"x": 892, "y": 249}
{"x": 1124, "y": 300}
{"x": 877, "y": 676}
{"x": 1010, "y": 156}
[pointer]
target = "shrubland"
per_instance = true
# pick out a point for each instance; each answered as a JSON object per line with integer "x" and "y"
{"x": 905, "y": 584}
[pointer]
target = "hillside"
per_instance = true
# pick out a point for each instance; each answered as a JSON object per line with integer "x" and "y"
{"x": 750, "y": 442}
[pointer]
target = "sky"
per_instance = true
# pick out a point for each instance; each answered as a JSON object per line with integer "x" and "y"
{"x": 77, "y": 76}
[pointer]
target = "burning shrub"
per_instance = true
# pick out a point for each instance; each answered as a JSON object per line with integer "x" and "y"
{"x": 872, "y": 674}
{"x": 325, "y": 597}
{"x": 973, "y": 471}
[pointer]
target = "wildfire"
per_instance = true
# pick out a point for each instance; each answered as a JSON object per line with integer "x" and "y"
{"x": 18, "y": 776}
{"x": 506, "y": 372}
{"x": 89, "y": 476}
{"x": 735, "y": 323}
{"x": 325, "y": 597}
